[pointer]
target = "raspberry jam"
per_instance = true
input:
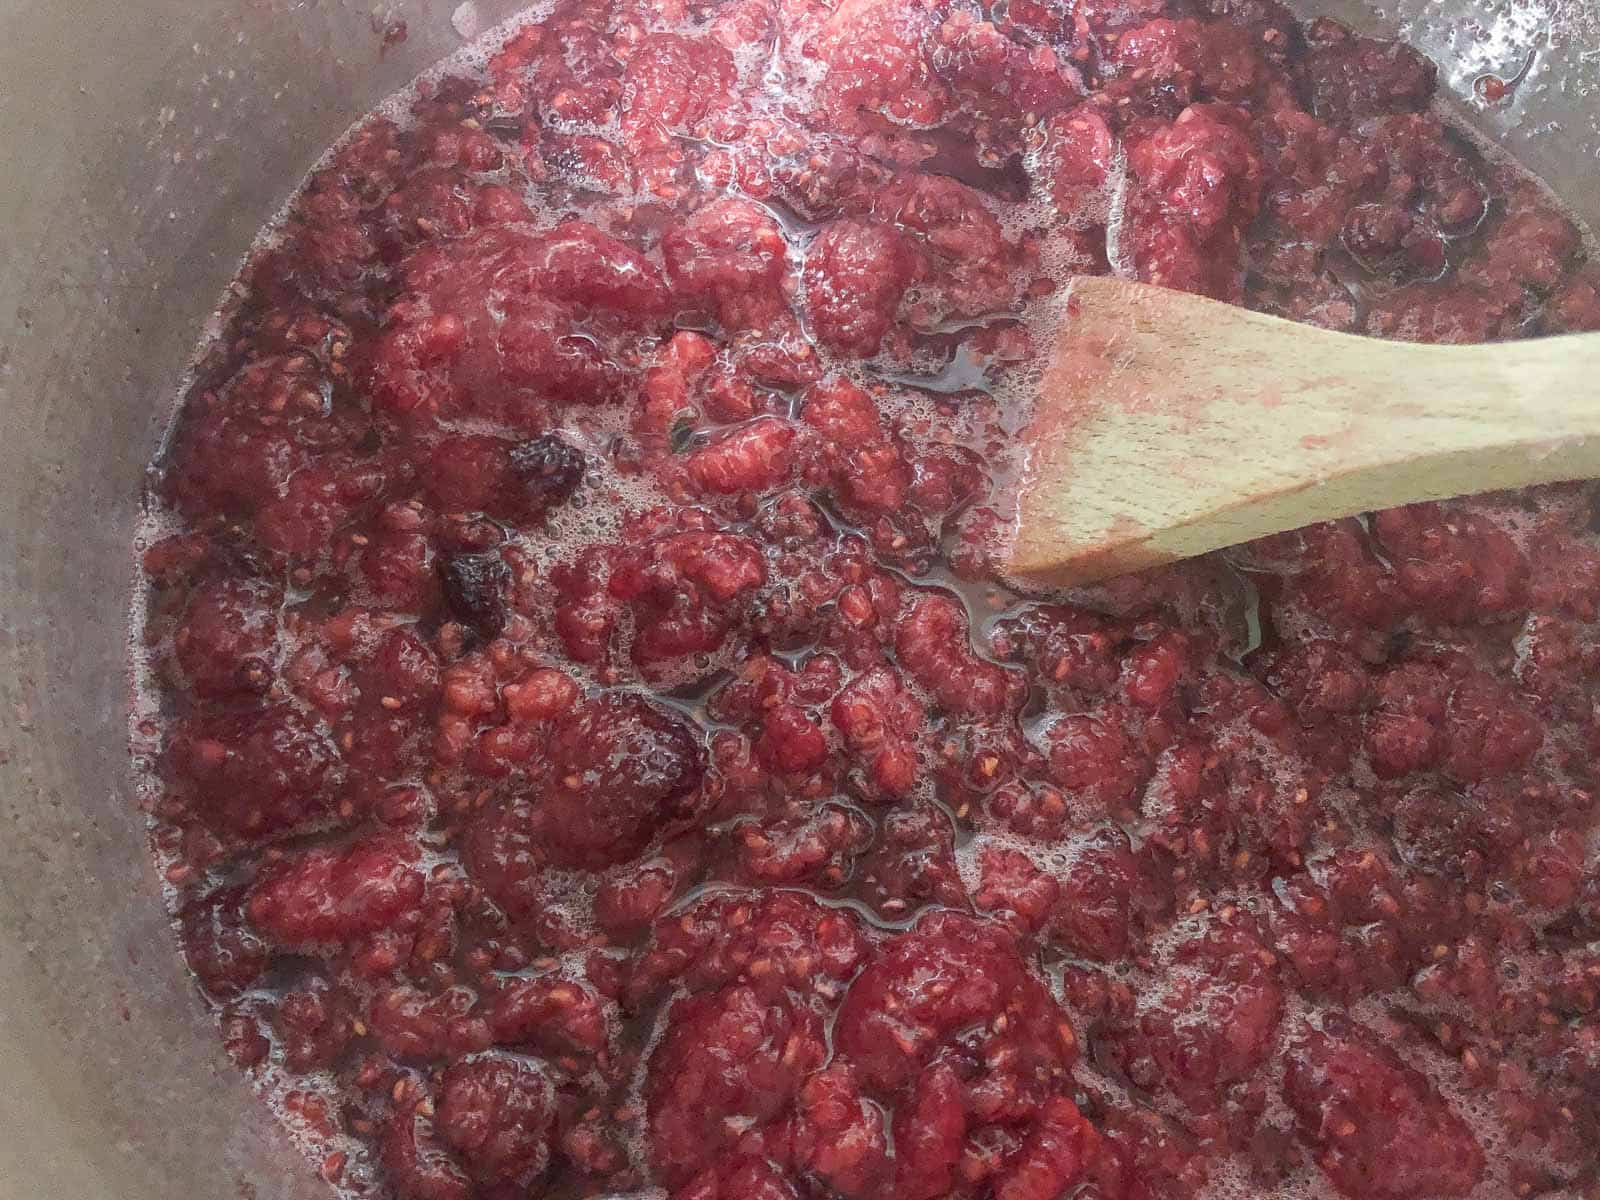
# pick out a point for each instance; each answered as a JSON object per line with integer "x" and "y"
{"x": 592, "y": 751}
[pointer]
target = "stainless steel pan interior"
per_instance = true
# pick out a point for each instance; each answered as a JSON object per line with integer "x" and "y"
{"x": 141, "y": 145}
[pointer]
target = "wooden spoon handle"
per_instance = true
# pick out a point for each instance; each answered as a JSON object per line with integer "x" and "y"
{"x": 1170, "y": 425}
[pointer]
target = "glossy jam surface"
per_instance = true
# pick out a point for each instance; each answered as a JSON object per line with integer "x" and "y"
{"x": 592, "y": 753}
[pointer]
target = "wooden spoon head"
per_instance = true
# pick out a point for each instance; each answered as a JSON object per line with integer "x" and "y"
{"x": 1169, "y": 425}
{"x": 1138, "y": 429}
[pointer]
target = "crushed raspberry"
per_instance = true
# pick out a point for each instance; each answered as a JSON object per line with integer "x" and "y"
{"x": 1377, "y": 1126}
{"x": 682, "y": 588}
{"x": 734, "y": 255}
{"x": 1079, "y": 150}
{"x": 512, "y": 480}
{"x": 968, "y": 268}
{"x": 856, "y": 273}
{"x": 929, "y": 985}
{"x": 1088, "y": 905}
{"x": 837, "y": 1133}
{"x": 816, "y": 846}
{"x": 772, "y": 940}
{"x": 327, "y": 896}
{"x": 672, "y": 83}
{"x": 224, "y": 642}
{"x": 1575, "y": 308}
{"x": 879, "y": 720}
{"x": 1212, "y": 1025}
{"x": 877, "y": 54}
{"x": 729, "y": 1063}
{"x": 933, "y": 643}
{"x": 410, "y": 1024}
{"x": 1092, "y": 755}
{"x": 1457, "y": 567}
{"x": 223, "y": 951}
{"x": 496, "y": 1114}
{"x": 739, "y": 1179}
{"x": 1533, "y": 245}
{"x": 913, "y": 863}
{"x": 1057, "y": 1155}
{"x": 626, "y": 904}
{"x": 1350, "y": 76}
{"x": 314, "y": 1026}
{"x": 1487, "y": 732}
{"x": 416, "y": 1163}
{"x": 256, "y": 774}
{"x": 1202, "y": 183}
{"x": 620, "y": 768}
{"x": 556, "y": 1015}
{"x": 599, "y": 751}
{"x": 928, "y": 1136}
{"x": 756, "y": 457}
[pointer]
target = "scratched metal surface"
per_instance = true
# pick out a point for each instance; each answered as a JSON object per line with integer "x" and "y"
{"x": 141, "y": 146}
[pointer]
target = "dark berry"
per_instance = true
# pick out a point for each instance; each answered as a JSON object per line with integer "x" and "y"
{"x": 548, "y": 469}
{"x": 475, "y": 588}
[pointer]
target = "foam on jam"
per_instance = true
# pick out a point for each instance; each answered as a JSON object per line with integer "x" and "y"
{"x": 591, "y": 751}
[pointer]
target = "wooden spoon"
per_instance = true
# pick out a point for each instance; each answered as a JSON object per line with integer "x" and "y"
{"x": 1169, "y": 425}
